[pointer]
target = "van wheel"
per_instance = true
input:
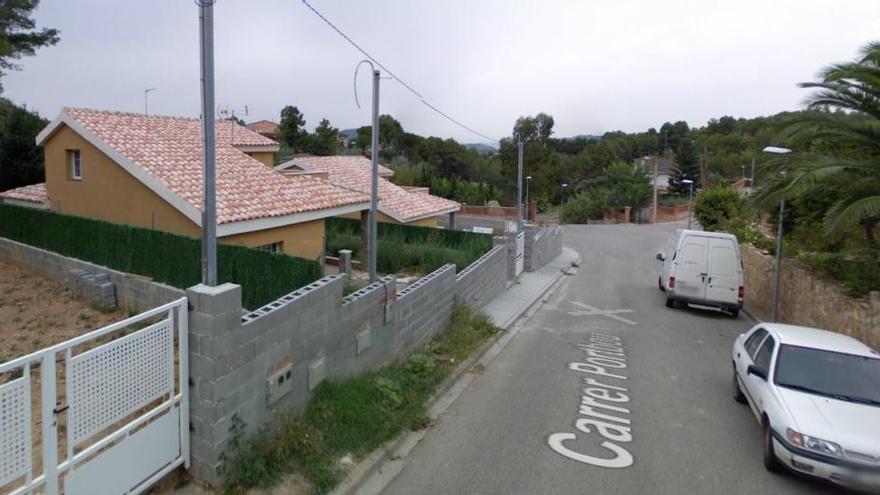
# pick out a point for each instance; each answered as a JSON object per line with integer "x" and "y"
{"x": 660, "y": 284}
{"x": 670, "y": 303}
{"x": 734, "y": 313}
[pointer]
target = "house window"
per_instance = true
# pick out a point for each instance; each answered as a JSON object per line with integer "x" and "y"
{"x": 75, "y": 165}
{"x": 275, "y": 247}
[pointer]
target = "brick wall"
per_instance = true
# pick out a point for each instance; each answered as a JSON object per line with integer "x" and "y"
{"x": 483, "y": 279}
{"x": 133, "y": 292}
{"x": 314, "y": 331}
{"x": 510, "y": 212}
{"x": 809, "y": 299}
{"x": 543, "y": 244}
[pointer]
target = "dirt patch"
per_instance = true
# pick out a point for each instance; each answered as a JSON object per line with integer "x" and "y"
{"x": 36, "y": 312}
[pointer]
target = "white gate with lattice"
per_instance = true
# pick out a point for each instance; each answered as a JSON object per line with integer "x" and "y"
{"x": 106, "y": 412}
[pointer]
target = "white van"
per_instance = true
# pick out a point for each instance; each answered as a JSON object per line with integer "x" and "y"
{"x": 702, "y": 268}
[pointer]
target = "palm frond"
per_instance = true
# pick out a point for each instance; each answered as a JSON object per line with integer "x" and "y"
{"x": 844, "y": 215}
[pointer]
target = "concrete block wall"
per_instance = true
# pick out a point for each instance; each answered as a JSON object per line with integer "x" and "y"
{"x": 133, "y": 292}
{"x": 483, "y": 279}
{"x": 93, "y": 287}
{"x": 543, "y": 244}
{"x": 424, "y": 307}
{"x": 313, "y": 332}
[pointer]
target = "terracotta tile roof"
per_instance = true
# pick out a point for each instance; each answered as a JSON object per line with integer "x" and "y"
{"x": 354, "y": 172}
{"x": 34, "y": 193}
{"x": 264, "y": 127}
{"x": 169, "y": 149}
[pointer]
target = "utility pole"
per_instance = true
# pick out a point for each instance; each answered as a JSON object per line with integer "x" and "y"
{"x": 654, "y": 210}
{"x": 519, "y": 179}
{"x": 704, "y": 170}
{"x": 752, "y": 180}
{"x": 374, "y": 190}
{"x": 209, "y": 212}
{"x": 146, "y": 92}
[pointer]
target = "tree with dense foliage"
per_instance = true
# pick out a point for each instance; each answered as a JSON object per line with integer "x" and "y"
{"x": 325, "y": 141}
{"x": 18, "y": 36}
{"x": 21, "y": 160}
{"x": 717, "y": 207}
{"x": 837, "y": 153}
{"x": 291, "y": 130}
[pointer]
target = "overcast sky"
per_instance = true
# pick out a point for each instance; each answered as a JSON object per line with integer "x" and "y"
{"x": 594, "y": 65}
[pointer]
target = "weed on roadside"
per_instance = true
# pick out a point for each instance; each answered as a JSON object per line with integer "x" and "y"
{"x": 351, "y": 416}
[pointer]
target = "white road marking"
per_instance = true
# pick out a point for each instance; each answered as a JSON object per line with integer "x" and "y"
{"x": 610, "y": 313}
{"x": 601, "y": 412}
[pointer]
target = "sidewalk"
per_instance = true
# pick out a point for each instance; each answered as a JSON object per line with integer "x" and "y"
{"x": 510, "y": 304}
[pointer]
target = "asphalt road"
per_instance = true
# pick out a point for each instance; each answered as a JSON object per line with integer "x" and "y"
{"x": 687, "y": 433}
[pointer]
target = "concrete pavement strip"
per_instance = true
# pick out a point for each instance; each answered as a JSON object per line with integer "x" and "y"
{"x": 379, "y": 468}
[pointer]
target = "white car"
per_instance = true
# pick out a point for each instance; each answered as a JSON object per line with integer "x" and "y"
{"x": 816, "y": 395}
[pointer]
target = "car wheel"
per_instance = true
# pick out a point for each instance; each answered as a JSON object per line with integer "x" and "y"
{"x": 660, "y": 284}
{"x": 734, "y": 313}
{"x": 771, "y": 462}
{"x": 738, "y": 394}
{"x": 670, "y": 303}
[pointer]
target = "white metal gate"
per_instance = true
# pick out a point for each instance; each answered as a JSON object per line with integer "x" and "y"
{"x": 113, "y": 416}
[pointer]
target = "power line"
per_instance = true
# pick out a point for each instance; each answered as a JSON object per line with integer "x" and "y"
{"x": 393, "y": 75}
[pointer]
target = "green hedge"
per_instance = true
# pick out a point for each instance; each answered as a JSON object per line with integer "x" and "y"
{"x": 412, "y": 234}
{"x": 167, "y": 258}
{"x": 407, "y": 248}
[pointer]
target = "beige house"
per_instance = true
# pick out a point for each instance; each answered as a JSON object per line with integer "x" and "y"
{"x": 146, "y": 171}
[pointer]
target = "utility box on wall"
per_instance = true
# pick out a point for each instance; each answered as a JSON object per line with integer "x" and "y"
{"x": 279, "y": 384}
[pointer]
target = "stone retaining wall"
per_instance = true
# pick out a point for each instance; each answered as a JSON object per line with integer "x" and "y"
{"x": 133, "y": 292}
{"x": 809, "y": 299}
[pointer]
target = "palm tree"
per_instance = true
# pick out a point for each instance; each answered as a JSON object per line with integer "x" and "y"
{"x": 843, "y": 148}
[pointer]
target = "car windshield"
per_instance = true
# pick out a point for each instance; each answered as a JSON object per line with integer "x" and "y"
{"x": 832, "y": 374}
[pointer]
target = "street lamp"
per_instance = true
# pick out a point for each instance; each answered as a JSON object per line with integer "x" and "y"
{"x": 561, "y": 200}
{"x": 690, "y": 183}
{"x": 774, "y": 150}
{"x": 528, "y": 209}
{"x": 146, "y": 92}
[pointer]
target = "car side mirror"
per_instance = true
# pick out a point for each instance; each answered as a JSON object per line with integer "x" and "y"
{"x": 660, "y": 257}
{"x": 754, "y": 370}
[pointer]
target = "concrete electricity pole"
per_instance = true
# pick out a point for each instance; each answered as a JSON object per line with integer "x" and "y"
{"x": 374, "y": 190}
{"x": 654, "y": 210}
{"x": 519, "y": 180}
{"x": 209, "y": 212}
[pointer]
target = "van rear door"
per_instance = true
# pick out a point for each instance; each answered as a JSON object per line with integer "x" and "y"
{"x": 723, "y": 282}
{"x": 690, "y": 274}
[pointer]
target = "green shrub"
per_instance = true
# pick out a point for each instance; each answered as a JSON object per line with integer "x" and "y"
{"x": 407, "y": 248}
{"x": 587, "y": 205}
{"x": 858, "y": 276}
{"x": 167, "y": 258}
{"x": 714, "y": 208}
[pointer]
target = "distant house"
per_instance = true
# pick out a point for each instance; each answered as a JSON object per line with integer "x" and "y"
{"x": 265, "y": 128}
{"x": 146, "y": 171}
{"x": 666, "y": 168}
{"x": 33, "y": 196}
{"x": 413, "y": 206}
